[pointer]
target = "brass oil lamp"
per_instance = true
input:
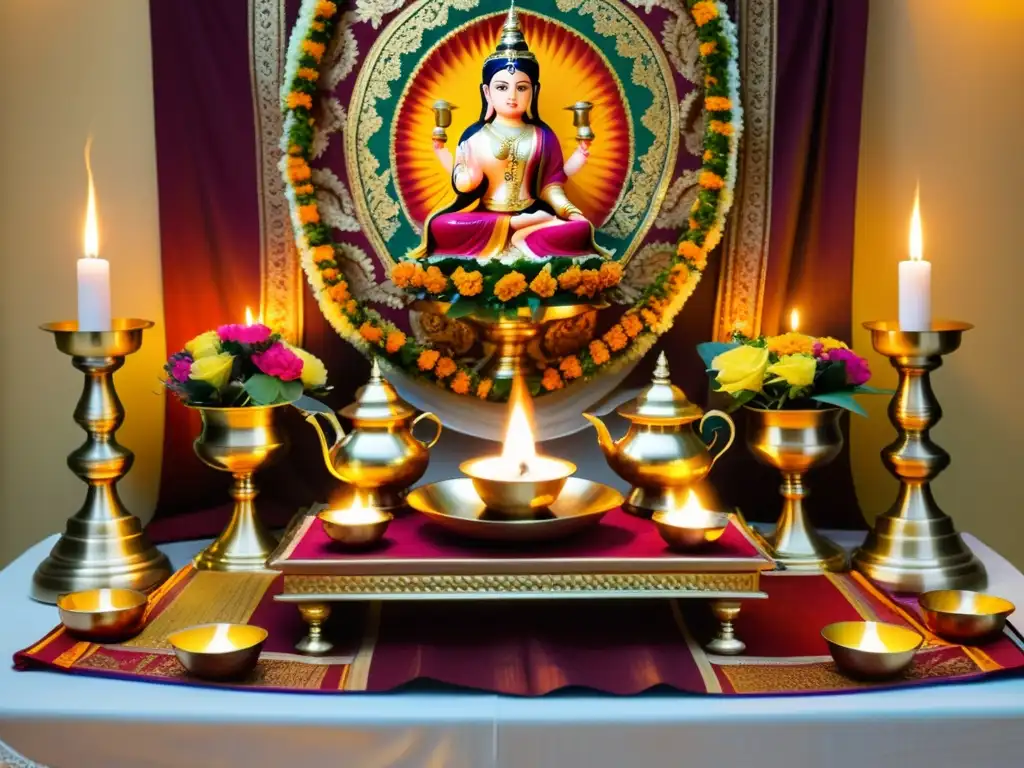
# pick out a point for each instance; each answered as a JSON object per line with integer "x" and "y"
{"x": 660, "y": 455}
{"x": 379, "y": 457}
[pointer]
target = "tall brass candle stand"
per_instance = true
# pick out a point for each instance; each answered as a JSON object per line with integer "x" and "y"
{"x": 103, "y": 544}
{"x": 914, "y": 546}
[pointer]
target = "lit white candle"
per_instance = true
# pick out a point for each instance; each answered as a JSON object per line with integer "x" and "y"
{"x": 916, "y": 279}
{"x": 93, "y": 272}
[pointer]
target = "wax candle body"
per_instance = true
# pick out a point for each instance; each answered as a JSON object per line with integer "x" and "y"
{"x": 93, "y": 294}
{"x": 915, "y": 295}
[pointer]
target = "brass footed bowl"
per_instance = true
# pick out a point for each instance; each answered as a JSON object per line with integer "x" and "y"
{"x": 963, "y": 616}
{"x": 871, "y": 650}
{"x": 519, "y": 498}
{"x": 103, "y": 615}
{"x": 355, "y": 529}
{"x": 218, "y": 651}
{"x": 684, "y": 534}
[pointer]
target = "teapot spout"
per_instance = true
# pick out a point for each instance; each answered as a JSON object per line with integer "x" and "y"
{"x": 604, "y": 438}
{"x": 311, "y": 408}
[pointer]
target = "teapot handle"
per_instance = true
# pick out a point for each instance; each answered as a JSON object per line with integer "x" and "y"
{"x": 732, "y": 432}
{"x": 433, "y": 418}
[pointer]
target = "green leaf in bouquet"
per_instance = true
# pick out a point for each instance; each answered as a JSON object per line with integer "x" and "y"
{"x": 866, "y": 389}
{"x": 533, "y": 302}
{"x": 709, "y": 350}
{"x": 832, "y": 377}
{"x": 843, "y": 399}
{"x": 263, "y": 389}
{"x": 290, "y": 391}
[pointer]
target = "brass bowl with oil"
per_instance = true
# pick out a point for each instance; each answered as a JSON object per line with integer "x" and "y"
{"x": 871, "y": 650}
{"x": 361, "y": 530}
{"x": 218, "y": 651}
{"x": 103, "y": 615}
{"x": 962, "y": 616}
{"x": 683, "y": 533}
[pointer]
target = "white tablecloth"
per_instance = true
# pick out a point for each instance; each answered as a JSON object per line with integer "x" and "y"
{"x": 77, "y": 721}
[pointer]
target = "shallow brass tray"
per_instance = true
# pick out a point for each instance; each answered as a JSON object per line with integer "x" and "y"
{"x": 455, "y": 505}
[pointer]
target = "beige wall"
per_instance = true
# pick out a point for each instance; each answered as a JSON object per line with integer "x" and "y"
{"x": 943, "y": 103}
{"x": 68, "y": 69}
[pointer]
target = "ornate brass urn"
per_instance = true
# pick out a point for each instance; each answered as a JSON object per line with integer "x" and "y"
{"x": 661, "y": 454}
{"x": 379, "y": 457}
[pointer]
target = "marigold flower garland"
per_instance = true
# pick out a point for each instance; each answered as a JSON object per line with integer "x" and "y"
{"x": 627, "y": 340}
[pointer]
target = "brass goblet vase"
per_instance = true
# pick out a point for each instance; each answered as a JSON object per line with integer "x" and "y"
{"x": 240, "y": 441}
{"x": 795, "y": 442}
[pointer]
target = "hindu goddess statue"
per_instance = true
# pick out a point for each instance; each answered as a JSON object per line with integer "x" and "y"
{"x": 508, "y": 173}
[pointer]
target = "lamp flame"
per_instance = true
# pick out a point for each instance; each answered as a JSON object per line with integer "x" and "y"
{"x": 871, "y": 640}
{"x": 690, "y": 512}
{"x": 357, "y": 513}
{"x": 916, "y": 237}
{"x": 249, "y": 319}
{"x": 220, "y": 642}
{"x": 794, "y": 319}
{"x": 519, "y": 451}
{"x": 92, "y": 233}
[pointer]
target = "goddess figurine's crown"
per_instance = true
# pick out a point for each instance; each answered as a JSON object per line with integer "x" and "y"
{"x": 512, "y": 44}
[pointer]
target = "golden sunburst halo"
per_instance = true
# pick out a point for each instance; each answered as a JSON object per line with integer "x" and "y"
{"x": 571, "y": 69}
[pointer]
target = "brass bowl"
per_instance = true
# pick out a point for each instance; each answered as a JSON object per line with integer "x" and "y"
{"x": 963, "y": 616}
{"x": 518, "y": 498}
{"x": 354, "y": 532}
{"x": 871, "y": 650}
{"x": 218, "y": 651}
{"x": 682, "y": 533}
{"x": 103, "y": 615}
{"x": 455, "y": 505}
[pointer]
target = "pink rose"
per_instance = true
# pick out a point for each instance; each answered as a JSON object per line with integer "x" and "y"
{"x": 279, "y": 361}
{"x": 857, "y": 370}
{"x": 244, "y": 334}
{"x": 181, "y": 368}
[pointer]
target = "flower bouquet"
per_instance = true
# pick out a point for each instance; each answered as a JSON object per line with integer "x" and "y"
{"x": 242, "y": 365}
{"x": 791, "y": 371}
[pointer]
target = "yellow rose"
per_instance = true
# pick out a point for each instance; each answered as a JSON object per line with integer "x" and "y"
{"x": 314, "y": 372}
{"x": 215, "y": 370}
{"x": 204, "y": 345}
{"x": 795, "y": 370}
{"x": 741, "y": 368}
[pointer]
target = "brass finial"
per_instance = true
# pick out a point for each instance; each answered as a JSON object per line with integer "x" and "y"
{"x": 661, "y": 372}
{"x": 375, "y": 376}
{"x": 512, "y": 44}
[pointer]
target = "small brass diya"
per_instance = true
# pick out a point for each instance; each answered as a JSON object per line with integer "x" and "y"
{"x": 691, "y": 526}
{"x": 103, "y": 615}
{"x": 356, "y": 527}
{"x": 871, "y": 650}
{"x": 964, "y": 616}
{"x": 218, "y": 651}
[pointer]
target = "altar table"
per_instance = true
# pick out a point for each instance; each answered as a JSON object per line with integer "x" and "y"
{"x": 78, "y": 721}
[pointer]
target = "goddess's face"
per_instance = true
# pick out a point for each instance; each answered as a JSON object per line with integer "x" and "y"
{"x": 510, "y": 95}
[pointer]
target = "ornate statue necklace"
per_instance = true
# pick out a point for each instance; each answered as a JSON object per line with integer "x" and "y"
{"x": 506, "y": 147}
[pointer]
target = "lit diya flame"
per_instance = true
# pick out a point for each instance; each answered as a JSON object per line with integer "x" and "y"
{"x": 794, "y": 320}
{"x": 357, "y": 513}
{"x": 691, "y": 514}
{"x": 249, "y": 319}
{"x": 220, "y": 642}
{"x": 871, "y": 640}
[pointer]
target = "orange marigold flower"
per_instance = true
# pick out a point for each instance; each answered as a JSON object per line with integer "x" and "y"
{"x": 427, "y": 359}
{"x": 434, "y": 280}
{"x": 710, "y": 180}
{"x": 717, "y": 103}
{"x": 329, "y": 274}
{"x": 570, "y": 367}
{"x": 299, "y": 173}
{"x": 304, "y": 189}
{"x": 632, "y": 325}
{"x": 544, "y": 285}
{"x": 690, "y": 251}
{"x": 708, "y": 155}
{"x": 710, "y": 80}
{"x": 309, "y": 214}
{"x": 326, "y": 9}
{"x": 616, "y": 338}
{"x": 693, "y": 224}
{"x": 445, "y": 368}
{"x": 703, "y": 12}
{"x": 569, "y": 279}
{"x": 339, "y": 292}
{"x": 371, "y": 333}
{"x": 726, "y": 129}
{"x": 308, "y": 73}
{"x": 323, "y": 253}
{"x": 791, "y": 343}
{"x": 350, "y": 306}
{"x": 460, "y": 384}
{"x": 318, "y": 26}
{"x": 483, "y": 389}
{"x": 299, "y": 99}
{"x": 468, "y": 283}
{"x": 551, "y": 380}
{"x": 510, "y": 286}
{"x": 599, "y": 352}
{"x": 407, "y": 274}
{"x": 649, "y": 317}
{"x": 590, "y": 283}
{"x": 706, "y": 49}
{"x": 610, "y": 274}
{"x": 394, "y": 342}
{"x": 314, "y": 49}
{"x": 293, "y": 150}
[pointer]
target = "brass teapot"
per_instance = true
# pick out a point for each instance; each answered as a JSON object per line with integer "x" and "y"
{"x": 661, "y": 454}
{"x": 380, "y": 457}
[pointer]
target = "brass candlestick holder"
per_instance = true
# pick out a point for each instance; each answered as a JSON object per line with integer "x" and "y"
{"x": 581, "y": 120}
{"x": 914, "y": 546}
{"x": 103, "y": 544}
{"x": 442, "y": 119}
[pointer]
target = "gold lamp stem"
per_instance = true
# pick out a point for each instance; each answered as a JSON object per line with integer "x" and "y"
{"x": 914, "y": 546}
{"x": 795, "y": 541}
{"x": 103, "y": 544}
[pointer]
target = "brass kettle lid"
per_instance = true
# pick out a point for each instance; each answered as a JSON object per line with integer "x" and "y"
{"x": 377, "y": 400}
{"x": 662, "y": 401}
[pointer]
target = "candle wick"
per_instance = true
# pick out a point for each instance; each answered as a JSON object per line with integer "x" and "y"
{"x": 524, "y": 469}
